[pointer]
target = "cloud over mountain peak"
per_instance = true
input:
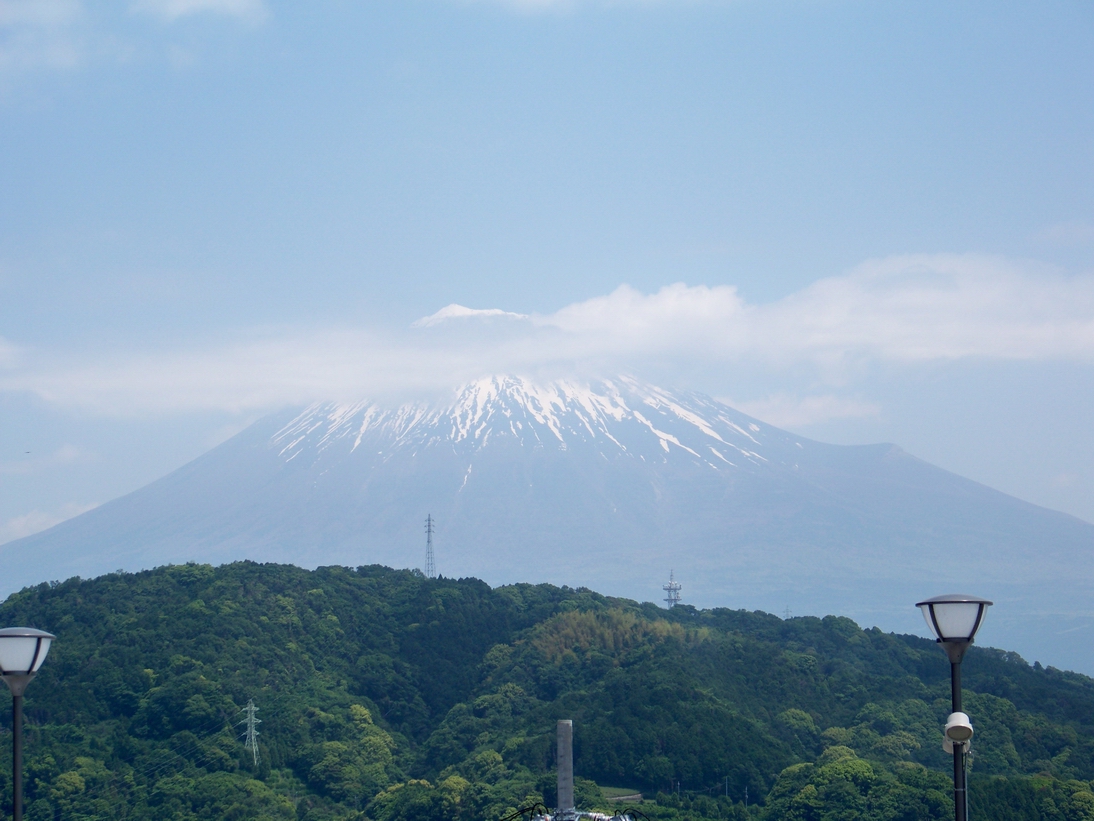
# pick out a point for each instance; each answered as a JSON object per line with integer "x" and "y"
{"x": 894, "y": 312}
{"x": 456, "y": 311}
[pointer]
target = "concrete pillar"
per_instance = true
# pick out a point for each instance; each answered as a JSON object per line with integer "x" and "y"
{"x": 565, "y": 765}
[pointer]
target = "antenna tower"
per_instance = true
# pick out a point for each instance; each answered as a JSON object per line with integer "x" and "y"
{"x": 430, "y": 564}
{"x": 250, "y": 735}
{"x": 672, "y": 590}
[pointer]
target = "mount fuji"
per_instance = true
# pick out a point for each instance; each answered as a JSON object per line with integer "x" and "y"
{"x": 609, "y": 485}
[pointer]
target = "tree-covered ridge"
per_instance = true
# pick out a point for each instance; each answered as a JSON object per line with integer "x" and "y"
{"x": 385, "y": 695}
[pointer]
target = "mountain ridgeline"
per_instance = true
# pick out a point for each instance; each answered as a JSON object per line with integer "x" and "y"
{"x": 388, "y": 696}
{"x": 606, "y": 484}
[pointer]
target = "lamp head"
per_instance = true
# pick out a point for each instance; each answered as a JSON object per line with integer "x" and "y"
{"x": 954, "y": 620}
{"x": 958, "y": 728}
{"x": 22, "y": 651}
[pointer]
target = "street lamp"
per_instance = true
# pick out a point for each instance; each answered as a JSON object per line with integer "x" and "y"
{"x": 954, "y": 620}
{"x": 22, "y": 651}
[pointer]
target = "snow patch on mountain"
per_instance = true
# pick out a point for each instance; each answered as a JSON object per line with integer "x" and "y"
{"x": 619, "y": 416}
{"x": 455, "y": 311}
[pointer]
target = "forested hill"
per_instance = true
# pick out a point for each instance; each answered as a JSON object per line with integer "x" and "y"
{"x": 385, "y": 695}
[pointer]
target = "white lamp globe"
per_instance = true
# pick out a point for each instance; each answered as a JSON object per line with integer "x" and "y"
{"x": 954, "y": 617}
{"x": 22, "y": 650}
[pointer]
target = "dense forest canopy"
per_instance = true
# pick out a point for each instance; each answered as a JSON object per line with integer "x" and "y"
{"x": 388, "y": 696}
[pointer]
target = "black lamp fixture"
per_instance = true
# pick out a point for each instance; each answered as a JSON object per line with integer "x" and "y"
{"x": 954, "y": 620}
{"x": 22, "y": 651}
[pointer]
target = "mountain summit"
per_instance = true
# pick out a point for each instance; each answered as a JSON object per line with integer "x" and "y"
{"x": 607, "y": 484}
{"x": 616, "y": 418}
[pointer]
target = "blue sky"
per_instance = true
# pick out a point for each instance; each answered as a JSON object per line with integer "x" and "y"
{"x": 861, "y": 221}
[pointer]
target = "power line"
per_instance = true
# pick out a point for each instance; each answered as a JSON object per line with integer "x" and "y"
{"x": 150, "y": 774}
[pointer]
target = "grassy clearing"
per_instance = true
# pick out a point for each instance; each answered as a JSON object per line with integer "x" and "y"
{"x": 619, "y": 792}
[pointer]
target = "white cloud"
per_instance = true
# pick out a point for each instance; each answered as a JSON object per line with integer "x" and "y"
{"x": 942, "y": 307}
{"x": 39, "y": 12}
{"x": 238, "y": 377}
{"x": 906, "y": 309}
{"x": 174, "y": 9}
{"x": 784, "y": 410}
{"x": 915, "y": 309}
{"x": 40, "y": 34}
{"x": 67, "y": 34}
{"x": 455, "y": 311}
{"x": 37, "y": 520}
{"x": 533, "y": 6}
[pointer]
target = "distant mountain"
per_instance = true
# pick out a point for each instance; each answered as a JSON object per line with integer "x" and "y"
{"x": 607, "y": 485}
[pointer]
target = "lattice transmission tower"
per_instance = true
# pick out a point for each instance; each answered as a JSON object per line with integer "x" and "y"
{"x": 430, "y": 564}
{"x": 672, "y": 590}
{"x": 250, "y": 735}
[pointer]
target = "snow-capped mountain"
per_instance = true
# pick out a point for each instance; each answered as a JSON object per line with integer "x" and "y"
{"x": 609, "y": 485}
{"x": 616, "y": 418}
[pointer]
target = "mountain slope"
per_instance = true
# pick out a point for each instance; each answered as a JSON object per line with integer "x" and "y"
{"x": 606, "y": 485}
{"x": 369, "y": 680}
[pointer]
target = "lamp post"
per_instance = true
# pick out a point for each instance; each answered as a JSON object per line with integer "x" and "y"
{"x": 22, "y": 651}
{"x": 954, "y": 620}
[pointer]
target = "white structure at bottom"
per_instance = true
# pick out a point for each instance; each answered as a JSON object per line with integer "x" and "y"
{"x": 565, "y": 795}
